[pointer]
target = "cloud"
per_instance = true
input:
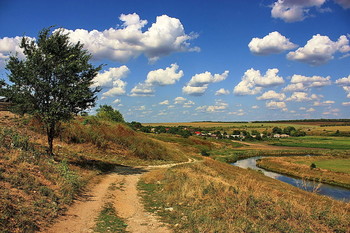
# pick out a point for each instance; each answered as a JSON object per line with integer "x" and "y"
{"x": 222, "y": 91}
{"x": 343, "y": 3}
{"x": 334, "y": 112}
{"x": 273, "y": 43}
{"x": 303, "y": 83}
{"x": 179, "y": 100}
{"x": 189, "y": 104}
{"x": 319, "y": 50}
{"x": 324, "y": 103}
{"x": 302, "y": 97}
{"x": 218, "y": 107}
{"x": 142, "y": 89}
{"x": 10, "y": 46}
{"x": 117, "y": 101}
{"x": 276, "y": 105}
{"x": 310, "y": 110}
{"x": 110, "y": 76}
{"x": 165, "y": 36}
{"x": 165, "y": 102}
{"x": 346, "y": 103}
{"x": 199, "y": 82}
{"x": 253, "y": 82}
{"x": 294, "y": 10}
{"x": 255, "y": 107}
{"x": 345, "y": 83}
{"x": 239, "y": 112}
{"x": 162, "y": 77}
{"x": 269, "y": 95}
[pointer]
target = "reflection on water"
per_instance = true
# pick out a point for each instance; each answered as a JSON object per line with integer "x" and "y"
{"x": 335, "y": 192}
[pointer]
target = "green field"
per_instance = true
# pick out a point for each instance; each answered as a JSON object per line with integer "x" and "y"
{"x": 342, "y": 143}
{"x": 336, "y": 165}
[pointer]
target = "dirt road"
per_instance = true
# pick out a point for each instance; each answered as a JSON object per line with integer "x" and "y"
{"x": 81, "y": 216}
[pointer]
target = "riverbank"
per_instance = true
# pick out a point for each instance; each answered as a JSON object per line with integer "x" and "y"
{"x": 299, "y": 166}
{"x": 216, "y": 197}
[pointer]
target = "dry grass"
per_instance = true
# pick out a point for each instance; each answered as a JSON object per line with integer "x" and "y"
{"x": 290, "y": 166}
{"x": 216, "y": 197}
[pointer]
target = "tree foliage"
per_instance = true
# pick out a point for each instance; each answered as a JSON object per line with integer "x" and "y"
{"x": 107, "y": 112}
{"x": 53, "y": 80}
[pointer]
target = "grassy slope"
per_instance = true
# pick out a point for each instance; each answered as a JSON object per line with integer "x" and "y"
{"x": 35, "y": 188}
{"x": 300, "y": 167}
{"x": 211, "y": 196}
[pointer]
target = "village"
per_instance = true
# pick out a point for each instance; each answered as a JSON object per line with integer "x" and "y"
{"x": 216, "y": 133}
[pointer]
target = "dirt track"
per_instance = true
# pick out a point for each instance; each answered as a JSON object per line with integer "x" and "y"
{"x": 81, "y": 216}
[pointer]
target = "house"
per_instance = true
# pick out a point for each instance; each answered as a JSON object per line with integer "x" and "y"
{"x": 4, "y": 103}
{"x": 198, "y": 133}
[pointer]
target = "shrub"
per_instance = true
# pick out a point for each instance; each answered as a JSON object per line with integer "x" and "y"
{"x": 312, "y": 166}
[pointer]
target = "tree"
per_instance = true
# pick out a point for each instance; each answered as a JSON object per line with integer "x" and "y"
{"x": 276, "y": 130}
{"x": 107, "y": 112}
{"x": 53, "y": 81}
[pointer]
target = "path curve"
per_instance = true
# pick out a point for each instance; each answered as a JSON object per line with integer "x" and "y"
{"x": 81, "y": 216}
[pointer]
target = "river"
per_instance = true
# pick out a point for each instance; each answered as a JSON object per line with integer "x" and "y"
{"x": 335, "y": 192}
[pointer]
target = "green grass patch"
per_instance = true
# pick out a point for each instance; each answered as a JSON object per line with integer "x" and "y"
{"x": 108, "y": 221}
{"x": 341, "y": 143}
{"x": 336, "y": 165}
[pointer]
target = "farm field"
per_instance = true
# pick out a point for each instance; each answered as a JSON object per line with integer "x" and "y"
{"x": 342, "y": 143}
{"x": 317, "y": 128}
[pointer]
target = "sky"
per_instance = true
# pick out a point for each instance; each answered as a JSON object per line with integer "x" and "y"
{"x": 202, "y": 60}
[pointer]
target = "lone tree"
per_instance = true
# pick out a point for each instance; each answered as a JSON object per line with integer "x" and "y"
{"x": 107, "y": 112}
{"x": 53, "y": 81}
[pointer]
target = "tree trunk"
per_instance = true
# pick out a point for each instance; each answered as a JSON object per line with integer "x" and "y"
{"x": 50, "y": 136}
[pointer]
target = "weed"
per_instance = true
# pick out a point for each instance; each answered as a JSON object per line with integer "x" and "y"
{"x": 108, "y": 221}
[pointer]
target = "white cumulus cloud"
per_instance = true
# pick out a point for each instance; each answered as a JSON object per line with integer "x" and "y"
{"x": 319, "y": 50}
{"x": 345, "y": 83}
{"x": 274, "y": 42}
{"x": 276, "y": 105}
{"x": 303, "y": 83}
{"x": 179, "y": 100}
{"x": 293, "y": 10}
{"x": 222, "y": 91}
{"x": 302, "y": 97}
{"x": 199, "y": 82}
{"x": 162, "y": 77}
{"x": 165, "y": 36}
{"x": 269, "y": 95}
{"x": 108, "y": 77}
{"x": 219, "y": 106}
{"x": 253, "y": 82}
{"x": 142, "y": 89}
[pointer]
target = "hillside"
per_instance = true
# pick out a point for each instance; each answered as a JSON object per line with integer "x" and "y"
{"x": 178, "y": 187}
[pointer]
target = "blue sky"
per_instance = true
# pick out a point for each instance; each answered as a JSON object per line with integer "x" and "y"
{"x": 195, "y": 60}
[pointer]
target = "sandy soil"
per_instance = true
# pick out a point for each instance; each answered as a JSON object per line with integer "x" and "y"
{"x": 81, "y": 216}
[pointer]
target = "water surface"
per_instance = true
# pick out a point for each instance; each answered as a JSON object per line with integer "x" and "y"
{"x": 335, "y": 192}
